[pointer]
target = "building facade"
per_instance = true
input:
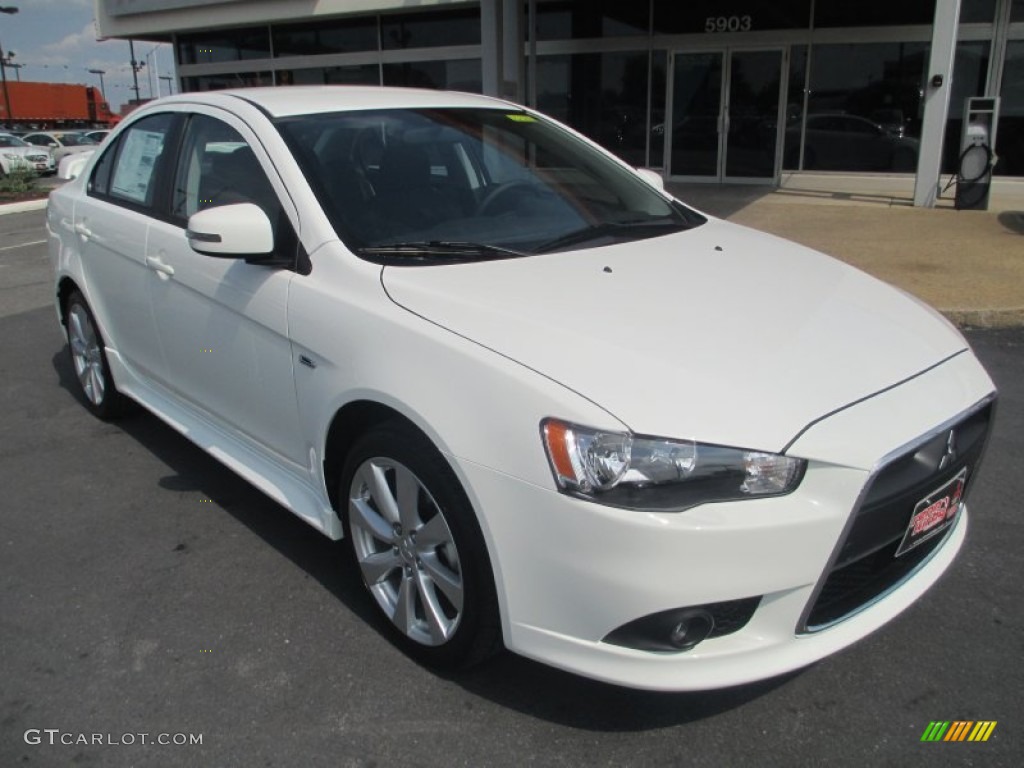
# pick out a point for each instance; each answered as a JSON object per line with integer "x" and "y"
{"x": 708, "y": 90}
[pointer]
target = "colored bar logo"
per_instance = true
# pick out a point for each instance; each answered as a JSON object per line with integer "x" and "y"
{"x": 958, "y": 730}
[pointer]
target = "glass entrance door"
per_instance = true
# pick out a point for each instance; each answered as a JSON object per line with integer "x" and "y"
{"x": 726, "y": 109}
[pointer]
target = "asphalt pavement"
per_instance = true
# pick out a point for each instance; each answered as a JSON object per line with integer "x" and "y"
{"x": 145, "y": 589}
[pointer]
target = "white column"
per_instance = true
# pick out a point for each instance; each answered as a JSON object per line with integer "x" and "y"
{"x": 936, "y": 102}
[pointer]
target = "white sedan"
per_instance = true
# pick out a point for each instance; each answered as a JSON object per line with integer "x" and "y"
{"x": 549, "y": 406}
{"x": 16, "y": 155}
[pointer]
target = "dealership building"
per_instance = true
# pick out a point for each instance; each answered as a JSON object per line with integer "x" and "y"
{"x": 729, "y": 91}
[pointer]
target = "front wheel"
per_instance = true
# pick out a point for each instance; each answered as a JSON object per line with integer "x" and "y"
{"x": 419, "y": 548}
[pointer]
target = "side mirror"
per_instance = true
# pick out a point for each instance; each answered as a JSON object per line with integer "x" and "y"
{"x": 652, "y": 177}
{"x": 231, "y": 231}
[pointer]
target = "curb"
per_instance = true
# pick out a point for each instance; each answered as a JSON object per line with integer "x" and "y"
{"x": 25, "y": 205}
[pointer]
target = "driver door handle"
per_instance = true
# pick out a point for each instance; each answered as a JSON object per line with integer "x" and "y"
{"x": 157, "y": 264}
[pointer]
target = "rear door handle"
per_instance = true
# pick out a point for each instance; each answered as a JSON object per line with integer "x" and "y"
{"x": 83, "y": 230}
{"x": 157, "y": 264}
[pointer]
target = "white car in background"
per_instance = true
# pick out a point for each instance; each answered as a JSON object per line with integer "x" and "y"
{"x": 61, "y": 143}
{"x": 16, "y": 154}
{"x": 548, "y": 405}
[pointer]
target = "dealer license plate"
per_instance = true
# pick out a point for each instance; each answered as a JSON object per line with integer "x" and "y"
{"x": 934, "y": 513}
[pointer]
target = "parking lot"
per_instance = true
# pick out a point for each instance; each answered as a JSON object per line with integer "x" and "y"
{"x": 145, "y": 589}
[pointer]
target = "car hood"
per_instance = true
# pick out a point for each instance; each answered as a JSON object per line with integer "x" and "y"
{"x": 719, "y": 334}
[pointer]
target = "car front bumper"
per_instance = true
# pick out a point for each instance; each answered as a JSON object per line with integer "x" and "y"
{"x": 570, "y": 572}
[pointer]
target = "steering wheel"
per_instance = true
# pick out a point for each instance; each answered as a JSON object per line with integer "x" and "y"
{"x": 504, "y": 192}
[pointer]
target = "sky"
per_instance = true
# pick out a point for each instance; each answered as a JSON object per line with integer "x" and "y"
{"x": 55, "y": 42}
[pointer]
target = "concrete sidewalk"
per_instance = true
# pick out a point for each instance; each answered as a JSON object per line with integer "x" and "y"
{"x": 967, "y": 264}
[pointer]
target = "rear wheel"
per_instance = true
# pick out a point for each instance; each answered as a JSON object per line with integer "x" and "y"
{"x": 89, "y": 359}
{"x": 418, "y": 547}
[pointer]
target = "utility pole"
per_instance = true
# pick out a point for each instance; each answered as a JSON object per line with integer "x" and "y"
{"x": 8, "y": 9}
{"x": 149, "y": 74}
{"x": 136, "y": 66}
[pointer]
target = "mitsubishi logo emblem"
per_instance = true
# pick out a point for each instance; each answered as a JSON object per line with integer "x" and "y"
{"x": 950, "y": 454}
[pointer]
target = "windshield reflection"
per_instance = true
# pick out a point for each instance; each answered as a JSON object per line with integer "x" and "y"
{"x": 496, "y": 178}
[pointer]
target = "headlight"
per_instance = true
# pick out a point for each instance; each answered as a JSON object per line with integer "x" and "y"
{"x": 653, "y": 473}
{"x": 11, "y": 156}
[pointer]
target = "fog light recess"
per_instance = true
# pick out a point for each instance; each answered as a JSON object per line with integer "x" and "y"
{"x": 682, "y": 629}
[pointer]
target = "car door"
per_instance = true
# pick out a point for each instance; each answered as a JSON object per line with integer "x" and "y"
{"x": 222, "y": 321}
{"x": 111, "y": 223}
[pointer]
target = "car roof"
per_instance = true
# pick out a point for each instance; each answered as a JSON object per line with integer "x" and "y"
{"x": 283, "y": 101}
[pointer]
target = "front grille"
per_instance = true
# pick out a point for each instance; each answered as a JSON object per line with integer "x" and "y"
{"x": 865, "y": 565}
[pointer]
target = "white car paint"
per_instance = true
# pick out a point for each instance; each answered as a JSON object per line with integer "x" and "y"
{"x": 71, "y": 166}
{"x": 686, "y": 358}
{"x": 718, "y": 334}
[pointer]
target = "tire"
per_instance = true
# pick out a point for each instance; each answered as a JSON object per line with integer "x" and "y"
{"x": 418, "y": 547}
{"x": 89, "y": 360}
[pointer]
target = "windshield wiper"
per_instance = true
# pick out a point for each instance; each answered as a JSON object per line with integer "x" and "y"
{"x": 442, "y": 250}
{"x": 637, "y": 229}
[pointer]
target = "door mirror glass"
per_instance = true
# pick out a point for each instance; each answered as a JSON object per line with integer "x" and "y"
{"x": 231, "y": 231}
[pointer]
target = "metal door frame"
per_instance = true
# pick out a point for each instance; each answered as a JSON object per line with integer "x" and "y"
{"x": 726, "y": 52}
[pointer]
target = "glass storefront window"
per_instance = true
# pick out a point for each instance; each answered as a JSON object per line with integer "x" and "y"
{"x": 1017, "y": 11}
{"x": 873, "y": 13}
{"x": 970, "y": 68}
{"x": 230, "y": 45}
{"x": 659, "y": 65}
{"x": 575, "y": 19}
{"x": 1010, "y": 133}
{"x": 452, "y": 75}
{"x": 865, "y": 107}
{"x": 343, "y": 36}
{"x": 220, "y": 82}
{"x": 795, "y": 107}
{"x": 977, "y": 11}
{"x": 602, "y": 95}
{"x": 714, "y": 17}
{"x": 430, "y": 30}
{"x": 367, "y": 74}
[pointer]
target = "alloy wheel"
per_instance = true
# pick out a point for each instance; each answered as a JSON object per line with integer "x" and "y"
{"x": 406, "y": 551}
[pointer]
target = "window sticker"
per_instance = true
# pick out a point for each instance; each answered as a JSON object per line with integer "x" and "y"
{"x": 519, "y": 117}
{"x": 135, "y": 166}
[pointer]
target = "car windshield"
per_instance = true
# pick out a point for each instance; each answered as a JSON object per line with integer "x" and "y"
{"x": 77, "y": 140}
{"x": 6, "y": 140}
{"x": 471, "y": 183}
